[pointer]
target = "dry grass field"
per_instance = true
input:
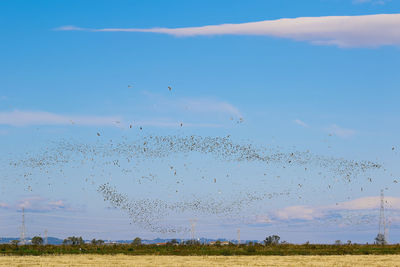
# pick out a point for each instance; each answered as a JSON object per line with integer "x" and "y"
{"x": 124, "y": 260}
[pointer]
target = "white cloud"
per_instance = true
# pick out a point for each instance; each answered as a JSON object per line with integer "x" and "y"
{"x": 341, "y": 132}
{"x": 298, "y": 213}
{"x": 309, "y": 213}
{"x": 343, "y": 31}
{"x": 38, "y": 204}
{"x": 24, "y": 118}
{"x": 300, "y": 122}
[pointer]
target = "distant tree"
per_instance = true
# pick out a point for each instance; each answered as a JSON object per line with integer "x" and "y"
{"x": 15, "y": 242}
{"x": 192, "y": 242}
{"x": 380, "y": 239}
{"x": 137, "y": 241}
{"x": 37, "y": 240}
{"x": 73, "y": 240}
{"x": 97, "y": 242}
{"x": 174, "y": 242}
{"x": 338, "y": 242}
{"x": 218, "y": 243}
{"x": 272, "y": 240}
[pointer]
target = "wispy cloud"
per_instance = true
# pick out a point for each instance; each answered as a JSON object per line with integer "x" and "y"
{"x": 374, "y": 2}
{"x": 26, "y": 118}
{"x": 170, "y": 123}
{"x": 210, "y": 106}
{"x": 37, "y": 204}
{"x": 70, "y": 28}
{"x": 343, "y": 31}
{"x": 340, "y": 132}
{"x": 300, "y": 122}
{"x": 366, "y": 203}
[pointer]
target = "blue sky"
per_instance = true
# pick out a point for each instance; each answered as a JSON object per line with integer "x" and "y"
{"x": 66, "y": 73}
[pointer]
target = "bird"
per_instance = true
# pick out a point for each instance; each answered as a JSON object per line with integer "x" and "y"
{"x": 181, "y": 124}
{"x": 130, "y": 126}
{"x": 98, "y": 134}
{"x": 170, "y": 88}
{"x": 130, "y": 86}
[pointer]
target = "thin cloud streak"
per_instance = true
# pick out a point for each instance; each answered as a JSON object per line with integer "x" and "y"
{"x": 177, "y": 124}
{"x": 341, "y": 132}
{"x": 343, "y": 31}
{"x": 210, "y": 106}
{"x": 300, "y": 122}
{"x": 29, "y": 118}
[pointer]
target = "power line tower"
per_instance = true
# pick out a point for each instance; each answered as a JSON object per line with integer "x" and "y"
{"x": 382, "y": 220}
{"x": 193, "y": 228}
{"x": 387, "y": 231}
{"x": 23, "y": 230}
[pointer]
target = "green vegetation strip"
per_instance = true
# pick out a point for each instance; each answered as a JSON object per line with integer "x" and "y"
{"x": 199, "y": 250}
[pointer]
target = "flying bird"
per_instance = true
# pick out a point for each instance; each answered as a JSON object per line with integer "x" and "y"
{"x": 98, "y": 134}
{"x": 169, "y": 88}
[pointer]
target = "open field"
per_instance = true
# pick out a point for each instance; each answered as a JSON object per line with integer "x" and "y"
{"x": 202, "y": 250}
{"x": 124, "y": 260}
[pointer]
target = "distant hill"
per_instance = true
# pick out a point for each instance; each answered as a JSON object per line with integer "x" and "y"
{"x": 50, "y": 240}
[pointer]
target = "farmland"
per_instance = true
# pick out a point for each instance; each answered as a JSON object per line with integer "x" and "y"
{"x": 125, "y": 260}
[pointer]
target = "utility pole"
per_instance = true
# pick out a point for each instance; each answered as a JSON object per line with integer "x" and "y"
{"x": 45, "y": 236}
{"x": 238, "y": 236}
{"x": 23, "y": 230}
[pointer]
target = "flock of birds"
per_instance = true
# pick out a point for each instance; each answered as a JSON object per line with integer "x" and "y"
{"x": 148, "y": 157}
{"x": 127, "y": 159}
